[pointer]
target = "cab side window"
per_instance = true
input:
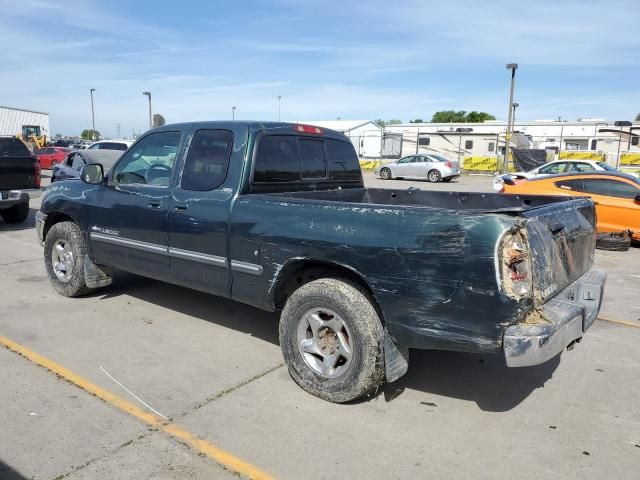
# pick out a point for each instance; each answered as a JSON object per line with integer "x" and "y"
{"x": 207, "y": 161}
{"x": 149, "y": 162}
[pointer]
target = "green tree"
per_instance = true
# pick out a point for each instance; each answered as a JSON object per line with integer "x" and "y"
{"x": 158, "y": 120}
{"x": 449, "y": 116}
{"x": 417, "y": 120}
{"x": 638, "y": 118}
{"x": 460, "y": 116}
{"x": 90, "y": 134}
{"x": 479, "y": 117}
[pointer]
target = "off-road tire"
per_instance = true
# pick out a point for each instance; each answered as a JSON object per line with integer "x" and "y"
{"x": 613, "y": 242}
{"x": 385, "y": 174}
{"x": 366, "y": 371}
{"x": 434, "y": 176}
{"x": 70, "y": 232}
{"x": 16, "y": 214}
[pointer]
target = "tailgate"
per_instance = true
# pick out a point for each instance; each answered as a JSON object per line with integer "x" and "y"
{"x": 562, "y": 239}
{"x": 17, "y": 173}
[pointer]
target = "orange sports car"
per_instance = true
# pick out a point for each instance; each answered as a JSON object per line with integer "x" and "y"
{"x": 617, "y": 195}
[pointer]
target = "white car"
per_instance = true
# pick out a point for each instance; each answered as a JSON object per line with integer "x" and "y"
{"x": 110, "y": 145}
{"x": 434, "y": 168}
{"x": 556, "y": 167}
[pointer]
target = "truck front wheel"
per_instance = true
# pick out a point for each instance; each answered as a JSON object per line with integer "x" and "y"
{"x": 64, "y": 255}
{"x": 332, "y": 340}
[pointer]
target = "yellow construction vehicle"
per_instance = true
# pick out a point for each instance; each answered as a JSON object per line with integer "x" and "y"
{"x": 31, "y": 135}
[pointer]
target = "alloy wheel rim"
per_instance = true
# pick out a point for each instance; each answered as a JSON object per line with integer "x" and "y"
{"x": 62, "y": 260}
{"x": 325, "y": 342}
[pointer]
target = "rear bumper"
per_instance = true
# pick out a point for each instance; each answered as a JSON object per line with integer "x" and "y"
{"x": 566, "y": 317}
{"x": 9, "y": 198}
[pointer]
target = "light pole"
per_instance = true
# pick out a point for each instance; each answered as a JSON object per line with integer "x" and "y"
{"x": 233, "y": 113}
{"x": 93, "y": 117}
{"x": 148, "y": 94}
{"x": 513, "y": 67}
{"x": 515, "y": 105}
{"x": 279, "y": 98}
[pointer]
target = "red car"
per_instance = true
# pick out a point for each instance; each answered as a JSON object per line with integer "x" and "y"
{"x": 50, "y": 155}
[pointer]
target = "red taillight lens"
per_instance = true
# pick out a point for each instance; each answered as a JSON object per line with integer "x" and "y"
{"x": 36, "y": 176}
{"x": 449, "y": 164}
{"x": 308, "y": 129}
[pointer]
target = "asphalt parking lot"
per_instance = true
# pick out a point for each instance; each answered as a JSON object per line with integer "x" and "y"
{"x": 214, "y": 369}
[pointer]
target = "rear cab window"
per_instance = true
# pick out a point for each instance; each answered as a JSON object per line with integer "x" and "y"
{"x": 300, "y": 159}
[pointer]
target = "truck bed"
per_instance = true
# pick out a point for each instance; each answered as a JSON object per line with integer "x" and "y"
{"x": 468, "y": 201}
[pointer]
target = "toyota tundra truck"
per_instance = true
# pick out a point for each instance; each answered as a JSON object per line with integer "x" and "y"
{"x": 276, "y": 215}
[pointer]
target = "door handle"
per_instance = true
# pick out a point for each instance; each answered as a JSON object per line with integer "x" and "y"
{"x": 154, "y": 204}
{"x": 180, "y": 206}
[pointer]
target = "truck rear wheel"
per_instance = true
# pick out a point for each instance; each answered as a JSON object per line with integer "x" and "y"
{"x": 332, "y": 340}
{"x": 64, "y": 254}
{"x": 16, "y": 214}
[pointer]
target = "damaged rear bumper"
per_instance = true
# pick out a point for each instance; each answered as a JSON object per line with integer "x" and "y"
{"x": 565, "y": 318}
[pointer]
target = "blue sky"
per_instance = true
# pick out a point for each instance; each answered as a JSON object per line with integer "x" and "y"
{"x": 328, "y": 59}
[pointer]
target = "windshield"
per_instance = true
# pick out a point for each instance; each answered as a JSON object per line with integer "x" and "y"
{"x": 607, "y": 167}
{"x": 439, "y": 158}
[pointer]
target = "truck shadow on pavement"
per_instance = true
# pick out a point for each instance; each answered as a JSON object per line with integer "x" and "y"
{"x": 8, "y": 473}
{"x": 482, "y": 378}
{"x": 217, "y": 310}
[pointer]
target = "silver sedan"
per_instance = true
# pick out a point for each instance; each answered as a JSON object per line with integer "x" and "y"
{"x": 434, "y": 168}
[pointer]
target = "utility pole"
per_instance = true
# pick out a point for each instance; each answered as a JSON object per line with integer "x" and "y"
{"x": 118, "y": 129}
{"x": 93, "y": 117}
{"x": 233, "y": 113}
{"x": 148, "y": 94}
{"x": 279, "y": 98}
{"x": 513, "y": 67}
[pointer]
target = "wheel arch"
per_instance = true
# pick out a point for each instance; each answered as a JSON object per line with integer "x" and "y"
{"x": 56, "y": 217}
{"x": 298, "y": 271}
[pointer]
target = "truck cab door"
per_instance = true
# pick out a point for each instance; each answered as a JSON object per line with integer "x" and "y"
{"x": 127, "y": 216}
{"x": 199, "y": 214}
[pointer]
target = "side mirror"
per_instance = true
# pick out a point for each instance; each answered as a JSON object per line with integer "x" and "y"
{"x": 93, "y": 174}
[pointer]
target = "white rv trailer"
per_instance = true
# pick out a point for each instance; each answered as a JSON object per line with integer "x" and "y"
{"x": 469, "y": 139}
{"x": 368, "y": 138}
{"x": 18, "y": 121}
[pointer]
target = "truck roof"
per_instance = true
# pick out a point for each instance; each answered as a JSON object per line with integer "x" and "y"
{"x": 256, "y": 125}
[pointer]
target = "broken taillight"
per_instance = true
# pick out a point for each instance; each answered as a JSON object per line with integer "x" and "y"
{"x": 516, "y": 265}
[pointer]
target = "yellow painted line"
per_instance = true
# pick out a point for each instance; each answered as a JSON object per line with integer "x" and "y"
{"x": 621, "y": 322}
{"x": 224, "y": 458}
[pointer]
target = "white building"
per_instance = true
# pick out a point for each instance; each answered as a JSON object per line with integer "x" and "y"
{"x": 18, "y": 121}
{"x": 488, "y": 138}
{"x": 366, "y": 136}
